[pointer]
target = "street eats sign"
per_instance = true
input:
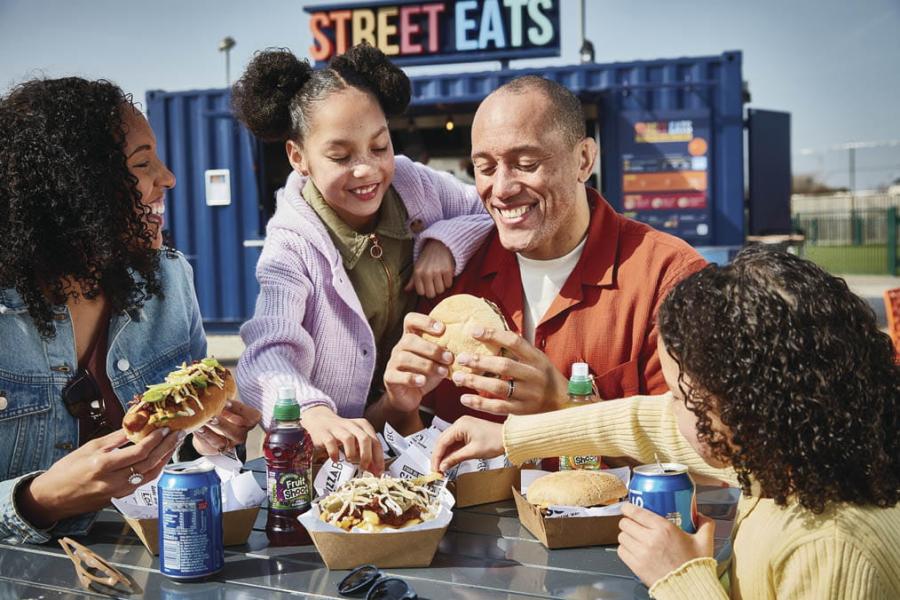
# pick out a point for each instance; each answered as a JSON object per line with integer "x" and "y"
{"x": 415, "y": 33}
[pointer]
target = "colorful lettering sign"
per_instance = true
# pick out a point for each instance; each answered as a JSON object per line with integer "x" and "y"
{"x": 439, "y": 32}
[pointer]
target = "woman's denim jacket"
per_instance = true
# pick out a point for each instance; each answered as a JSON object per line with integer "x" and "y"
{"x": 35, "y": 428}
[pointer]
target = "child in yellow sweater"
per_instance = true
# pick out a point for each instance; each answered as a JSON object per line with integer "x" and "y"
{"x": 781, "y": 383}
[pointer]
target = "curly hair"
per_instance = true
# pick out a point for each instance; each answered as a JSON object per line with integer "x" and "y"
{"x": 794, "y": 365}
{"x": 70, "y": 210}
{"x": 278, "y": 93}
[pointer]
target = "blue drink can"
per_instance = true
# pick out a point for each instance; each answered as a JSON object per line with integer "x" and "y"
{"x": 668, "y": 491}
{"x": 190, "y": 522}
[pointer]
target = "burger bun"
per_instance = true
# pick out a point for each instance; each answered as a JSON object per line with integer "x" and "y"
{"x": 576, "y": 488}
{"x": 459, "y": 314}
{"x": 213, "y": 399}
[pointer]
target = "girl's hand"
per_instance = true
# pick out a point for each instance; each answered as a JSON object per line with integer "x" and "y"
{"x": 222, "y": 433}
{"x": 433, "y": 272}
{"x": 653, "y": 547}
{"x": 356, "y": 437}
{"x": 85, "y": 480}
{"x": 467, "y": 438}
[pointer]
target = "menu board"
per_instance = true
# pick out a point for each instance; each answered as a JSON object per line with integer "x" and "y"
{"x": 665, "y": 172}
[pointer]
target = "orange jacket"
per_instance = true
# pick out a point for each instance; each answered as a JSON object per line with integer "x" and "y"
{"x": 605, "y": 313}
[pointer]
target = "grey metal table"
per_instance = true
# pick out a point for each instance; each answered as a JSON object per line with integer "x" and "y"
{"x": 485, "y": 554}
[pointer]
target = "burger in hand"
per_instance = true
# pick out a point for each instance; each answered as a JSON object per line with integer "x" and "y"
{"x": 458, "y": 313}
{"x": 188, "y": 398}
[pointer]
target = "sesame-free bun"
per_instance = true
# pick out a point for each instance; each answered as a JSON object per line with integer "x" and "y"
{"x": 459, "y": 313}
{"x": 576, "y": 488}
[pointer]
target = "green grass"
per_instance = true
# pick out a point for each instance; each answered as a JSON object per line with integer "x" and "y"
{"x": 849, "y": 260}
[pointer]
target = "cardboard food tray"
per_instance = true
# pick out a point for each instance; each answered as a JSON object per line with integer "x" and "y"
{"x": 484, "y": 487}
{"x": 236, "y": 527}
{"x": 414, "y": 546}
{"x": 384, "y": 550}
{"x": 566, "y": 532}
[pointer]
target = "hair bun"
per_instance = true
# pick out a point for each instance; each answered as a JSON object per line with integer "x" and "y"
{"x": 367, "y": 66}
{"x": 261, "y": 98}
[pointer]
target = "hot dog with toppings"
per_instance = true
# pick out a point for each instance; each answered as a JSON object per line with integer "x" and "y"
{"x": 188, "y": 398}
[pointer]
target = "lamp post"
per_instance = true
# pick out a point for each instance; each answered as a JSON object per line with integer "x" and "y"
{"x": 586, "y": 52}
{"x": 225, "y": 46}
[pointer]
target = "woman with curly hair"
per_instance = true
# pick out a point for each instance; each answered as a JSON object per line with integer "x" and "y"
{"x": 92, "y": 308}
{"x": 781, "y": 383}
{"x": 337, "y": 273}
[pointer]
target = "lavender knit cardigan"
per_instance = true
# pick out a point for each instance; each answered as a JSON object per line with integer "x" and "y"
{"x": 309, "y": 330}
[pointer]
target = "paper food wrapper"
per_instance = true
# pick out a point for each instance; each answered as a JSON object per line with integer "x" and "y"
{"x": 570, "y": 526}
{"x": 241, "y": 497}
{"x": 476, "y": 481}
{"x": 413, "y": 546}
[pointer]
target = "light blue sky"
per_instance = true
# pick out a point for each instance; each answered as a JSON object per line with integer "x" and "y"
{"x": 834, "y": 64}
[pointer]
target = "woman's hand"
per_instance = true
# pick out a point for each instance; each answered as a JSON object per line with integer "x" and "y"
{"x": 467, "y": 438}
{"x": 433, "y": 271}
{"x": 356, "y": 437}
{"x": 229, "y": 429}
{"x": 86, "y": 480}
{"x": 653, "y": 547}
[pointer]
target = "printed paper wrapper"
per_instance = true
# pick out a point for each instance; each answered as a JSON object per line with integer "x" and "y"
{"x": 570, "y": 526}
{"x": 413, "y": 546}
{"x": 474, "y": 482}
{"x": 241, "y": 497}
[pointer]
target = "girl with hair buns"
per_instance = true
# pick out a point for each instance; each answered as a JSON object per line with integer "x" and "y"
{"x": 782, "y": 384}
{"x": 336, "y": 273}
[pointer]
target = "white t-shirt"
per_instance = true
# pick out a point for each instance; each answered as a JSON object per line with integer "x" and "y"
{"x": 541, "y": 282}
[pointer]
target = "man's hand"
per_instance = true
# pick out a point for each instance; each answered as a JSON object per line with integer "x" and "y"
{"x": 416, "y": 365}
{"x": 467, "y": 438}
{"x": 653, "y": 547}
{"x": 433, "y": 272}
{"x": 536, "y": 384}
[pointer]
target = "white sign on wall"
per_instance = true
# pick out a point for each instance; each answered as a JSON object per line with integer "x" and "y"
{"x": 218, "y": 187}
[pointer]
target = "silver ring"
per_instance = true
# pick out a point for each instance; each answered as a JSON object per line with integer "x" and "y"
{"x": 512, "y": 388}
{"x": 135, "y": 478}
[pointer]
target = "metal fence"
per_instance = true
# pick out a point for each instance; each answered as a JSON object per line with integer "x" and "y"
{"x": 852, "y": 239}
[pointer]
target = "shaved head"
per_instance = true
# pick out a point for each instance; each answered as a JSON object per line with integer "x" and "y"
{"x": 564, "y": 108}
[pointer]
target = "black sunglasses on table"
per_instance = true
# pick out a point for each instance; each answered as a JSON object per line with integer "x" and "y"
{"x": 84, "y": 401}
{"x": 368, "y": 577}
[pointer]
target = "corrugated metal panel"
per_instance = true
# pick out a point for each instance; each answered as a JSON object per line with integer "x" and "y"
{"x": 195, "y": 132}
{"x": 706, "y": 88}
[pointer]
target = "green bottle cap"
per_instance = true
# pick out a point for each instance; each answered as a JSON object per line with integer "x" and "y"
{"x": 580, "y": 384}
{"x": 286, "y": 408}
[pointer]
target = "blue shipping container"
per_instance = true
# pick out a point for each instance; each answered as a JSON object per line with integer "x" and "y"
{"x": 648, "y": 115}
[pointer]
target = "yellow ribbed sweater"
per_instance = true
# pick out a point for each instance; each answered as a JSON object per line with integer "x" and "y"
{"x": 784, "y": 552}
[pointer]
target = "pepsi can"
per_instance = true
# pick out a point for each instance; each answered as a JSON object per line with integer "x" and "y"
{"x": 667, "y": 490}
{"x": 190, "y": 521}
